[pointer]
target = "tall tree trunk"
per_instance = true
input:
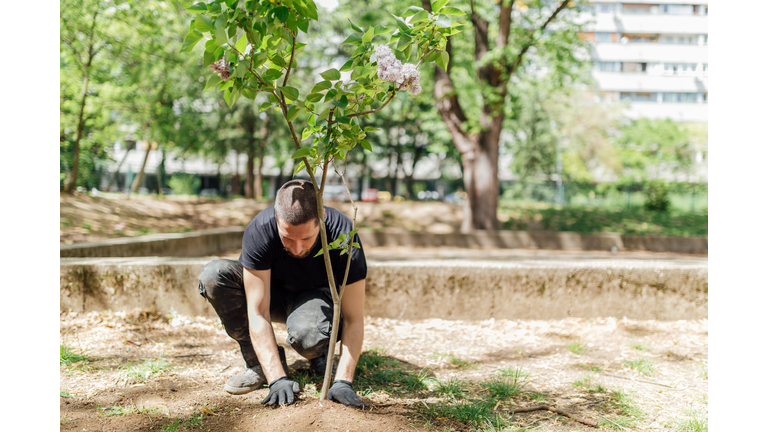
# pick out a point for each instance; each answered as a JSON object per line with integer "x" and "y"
{"x": 80, "y": 125}
{"x": 140, "y": 176}
{"x": 262, "y": 150}
{"x": 249, "y": 181}
{"x": 235, "y": 180}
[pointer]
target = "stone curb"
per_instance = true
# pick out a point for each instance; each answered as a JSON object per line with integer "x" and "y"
{"x": 423, "y": 289}
{"x": 220, "y": 240}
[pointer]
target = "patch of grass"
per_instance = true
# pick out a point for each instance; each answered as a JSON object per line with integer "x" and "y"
{"x": 452, "y": 388}
{"x": 588, "y": 383}
{"x": 476, "y": 413}
{"x": 537, "y": 396}
{"x": 196, "y": 420}
{"x": 116, "y": 410}
{"x": 377, "y": 372}
{"x": 624, "y": 402}
{"x": 455, "y": 361}
{"x": 506, "y": 384}
{"x": 643, "y": 365}
{"x": 591, "y": 368}
{"x": 704, "y": 371}
{"x": 65, "y": 222}
{"x": 144, "y": 231}
{"x": 620, "y": 422}
{"x": 417, "y": 382}
{"x": 640, "y": 346}
{"x": 68, "y": 356}
{"x": 577, "y": 347}
{"x": 64, "y": 394}
{"x": 86, "y": 226}
{"x": 693, "y": 421}
{"x": 147, "y": 369}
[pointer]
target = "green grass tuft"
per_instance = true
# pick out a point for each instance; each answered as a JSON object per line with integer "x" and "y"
{"x": 452, "y": 388}
{"x": 643, "y": 365}
{"x": 68, "y": 356}
{"x": 694, "y": 421}
{"x": 64, "y": 394}
{"x": 147, "y": 369}
{"x": 506, "y": 384}
{"x": 577, "y": 347}
{"x": 455, "y": 361}
{"x": 639, "y": 346}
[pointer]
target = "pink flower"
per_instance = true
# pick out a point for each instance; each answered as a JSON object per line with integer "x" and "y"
{"x": 391, "y": 69}
{"x": 222, "y": 68}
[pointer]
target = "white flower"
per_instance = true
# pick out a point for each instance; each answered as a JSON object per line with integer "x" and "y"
{"x": 391, "y": 69}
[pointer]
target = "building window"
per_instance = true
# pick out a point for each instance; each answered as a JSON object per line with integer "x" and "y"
{"x": 680, "y": 97}
{"x": 679, "y": 68}
{"x": 677, "y": 9}
{"x": 633, "y": 67}
{"x": 638, "y": 97}
{"x": 637, "y": 8}
{"x": 608, "y": 66}
{"x": 681, "y": 40}
{"x": 606, "y": 7}
{"x": 603, "y": 37}
{"x": 638, "y": 37}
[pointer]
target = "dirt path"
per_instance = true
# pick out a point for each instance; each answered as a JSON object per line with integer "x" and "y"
{"x": 597, "y": 384}
{"x": 85, "y": 218}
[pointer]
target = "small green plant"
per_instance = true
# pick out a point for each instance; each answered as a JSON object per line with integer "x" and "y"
{"x": 452, "y": 387}
{"x": 576, "y": 347}
{"x": 173, "y": 426}
{"x": 589, "y": 367}
{"x": 184, "y": 184}
{"x": 475, "y": 413}
{"x": 64, "y": 394}
{"x": 693, "y": 421}
{"x": 455, "y": 361}
{"x": 506, "y": 384}
{"x": 639, "y": 346}
{"x": 643, "y": 365}
{"x": 144, "y": 231}
{"x": 418, "y": 381}
{"x": 116, "y": 410}
{"x": 625, "y": 403}
{"x": 68, "y": 356}
{"x": 588, "y": 383}
{"x": 539, "y": 397}
{"x": 657, "y": 196}
{"x": 147, "y": 369}
{"x": 86, "y": 226}
{"x": 65, "y": 222}
{"x": 704, "y": 371}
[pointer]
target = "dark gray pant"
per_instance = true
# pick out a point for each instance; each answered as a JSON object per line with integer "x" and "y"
{"x": 308, "y": 315}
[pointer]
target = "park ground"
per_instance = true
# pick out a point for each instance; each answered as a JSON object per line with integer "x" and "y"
{"x": 144, "y": 371}
{"x": 84, "y": 217}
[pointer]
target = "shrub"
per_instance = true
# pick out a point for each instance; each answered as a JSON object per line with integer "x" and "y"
{"x": 657, "y": 196}
{"x": 184, "y": 184}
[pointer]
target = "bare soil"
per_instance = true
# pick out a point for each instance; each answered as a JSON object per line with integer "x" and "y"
{"x": 85, "y": 217}
{"x": 202, "y": 358}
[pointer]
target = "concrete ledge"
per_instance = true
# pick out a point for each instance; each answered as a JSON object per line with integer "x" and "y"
{"x": 453, "y": 289}
{"x": 220, "y": 240}
{"x": 190, "y": 244}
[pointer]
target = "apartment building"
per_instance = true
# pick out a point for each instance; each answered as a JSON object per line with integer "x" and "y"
{"x": 652, "y": 54}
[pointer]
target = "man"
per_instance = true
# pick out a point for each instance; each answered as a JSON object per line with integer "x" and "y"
{"x": 278, "y": 278}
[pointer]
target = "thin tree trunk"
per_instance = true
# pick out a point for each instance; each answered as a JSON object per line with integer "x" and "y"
{"x": 262, "y": 149}
{"x": 140, "y": 176}
{"x": 235, "y": 180}
{"x": 80, "y": 125}
{"x": 249, "y": 181}
{"x": 117, "y": 171}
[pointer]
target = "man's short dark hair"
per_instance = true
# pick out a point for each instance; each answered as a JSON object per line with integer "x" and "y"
{"x": 296, "y": 203}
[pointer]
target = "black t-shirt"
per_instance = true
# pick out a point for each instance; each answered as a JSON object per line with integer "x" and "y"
{"x": 263, "y": 250}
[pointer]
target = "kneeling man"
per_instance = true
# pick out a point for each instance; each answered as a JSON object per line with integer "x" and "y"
{"x": 279, "y": 279}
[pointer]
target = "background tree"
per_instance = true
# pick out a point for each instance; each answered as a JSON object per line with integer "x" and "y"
{"x": 499, "y": 42}
{"x": 654, "y": 149}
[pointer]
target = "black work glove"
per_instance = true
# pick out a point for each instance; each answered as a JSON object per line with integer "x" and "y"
{"x": 281, "y": 391}
{"x": 341, "y": 391}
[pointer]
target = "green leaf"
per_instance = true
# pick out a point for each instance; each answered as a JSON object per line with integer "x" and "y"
{"x": 191, "y": 40}
{"x": 442, "y": 61}
{"x": 290, "y": 92}
{"x": 203, "y": 23}
{"x": 198, "y": 8}
{"x": 331, "y": 74}
{"x": 402, "y": 95}
{"x": 353, "y": 39}
{"x": 314, "y": 97}
{"x": 413, "y": 10}
{"x": 302, "y": 152}
{"x": 380, "y": 29}
{"x": 448, "y": 10}
{"x": 355, "y": 27}
{"x": 272, "y": 74}
{"x": 368, "y": 36}
{"x": 402, "y": 25}
{"x": 242, "y": 43}
{"x": 221, "y": 36}
{"x": 438, "y": 4}
{"x": 371, "y": 129}
{"x": 241, "y": 69}
{"x": 322, "y": 85}
{"x": 419, "y": 17}
{"x": 311, "y": 120}
{"x": 341, "y": 103}
{"x": 366, "y": 145}
{"x": 212, "y": 81}
{"x": 347, "y": 66}
{"x": 265, "y": 106}
{"x": 320, "y": 252}
{"x": 306, "y": 133}
{"x": 431, "y": 57}
{"x": 443, "y": 21}
{"x": 293, "y": 112}
{"x": 282, "y": 13}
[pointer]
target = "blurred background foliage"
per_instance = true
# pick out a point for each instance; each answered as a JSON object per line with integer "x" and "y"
{"x": 122, "y": 79}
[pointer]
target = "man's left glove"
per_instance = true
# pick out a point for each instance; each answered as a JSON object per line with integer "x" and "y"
{"x": 341, "y": 391}
{"x": 281, "y": 391}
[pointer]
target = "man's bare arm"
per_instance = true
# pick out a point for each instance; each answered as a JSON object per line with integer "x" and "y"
{"x": 260, "y": 322}
{"x": 353, "y": 310}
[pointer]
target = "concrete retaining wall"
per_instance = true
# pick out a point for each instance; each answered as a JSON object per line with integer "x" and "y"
{"x": 424, "y": 289}
{"x": 217, "y": 241}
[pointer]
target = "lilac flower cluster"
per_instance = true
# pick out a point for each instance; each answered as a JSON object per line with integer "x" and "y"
{"x": 222, "y": 68}
{"x": 391, "y": 69}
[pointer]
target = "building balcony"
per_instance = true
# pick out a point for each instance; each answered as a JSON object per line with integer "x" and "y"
{"x": 650, "y": 52}
{"x": 632, "y": 23}
{"x": 682, "y": 112}
{"x": 643, "y": 82}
